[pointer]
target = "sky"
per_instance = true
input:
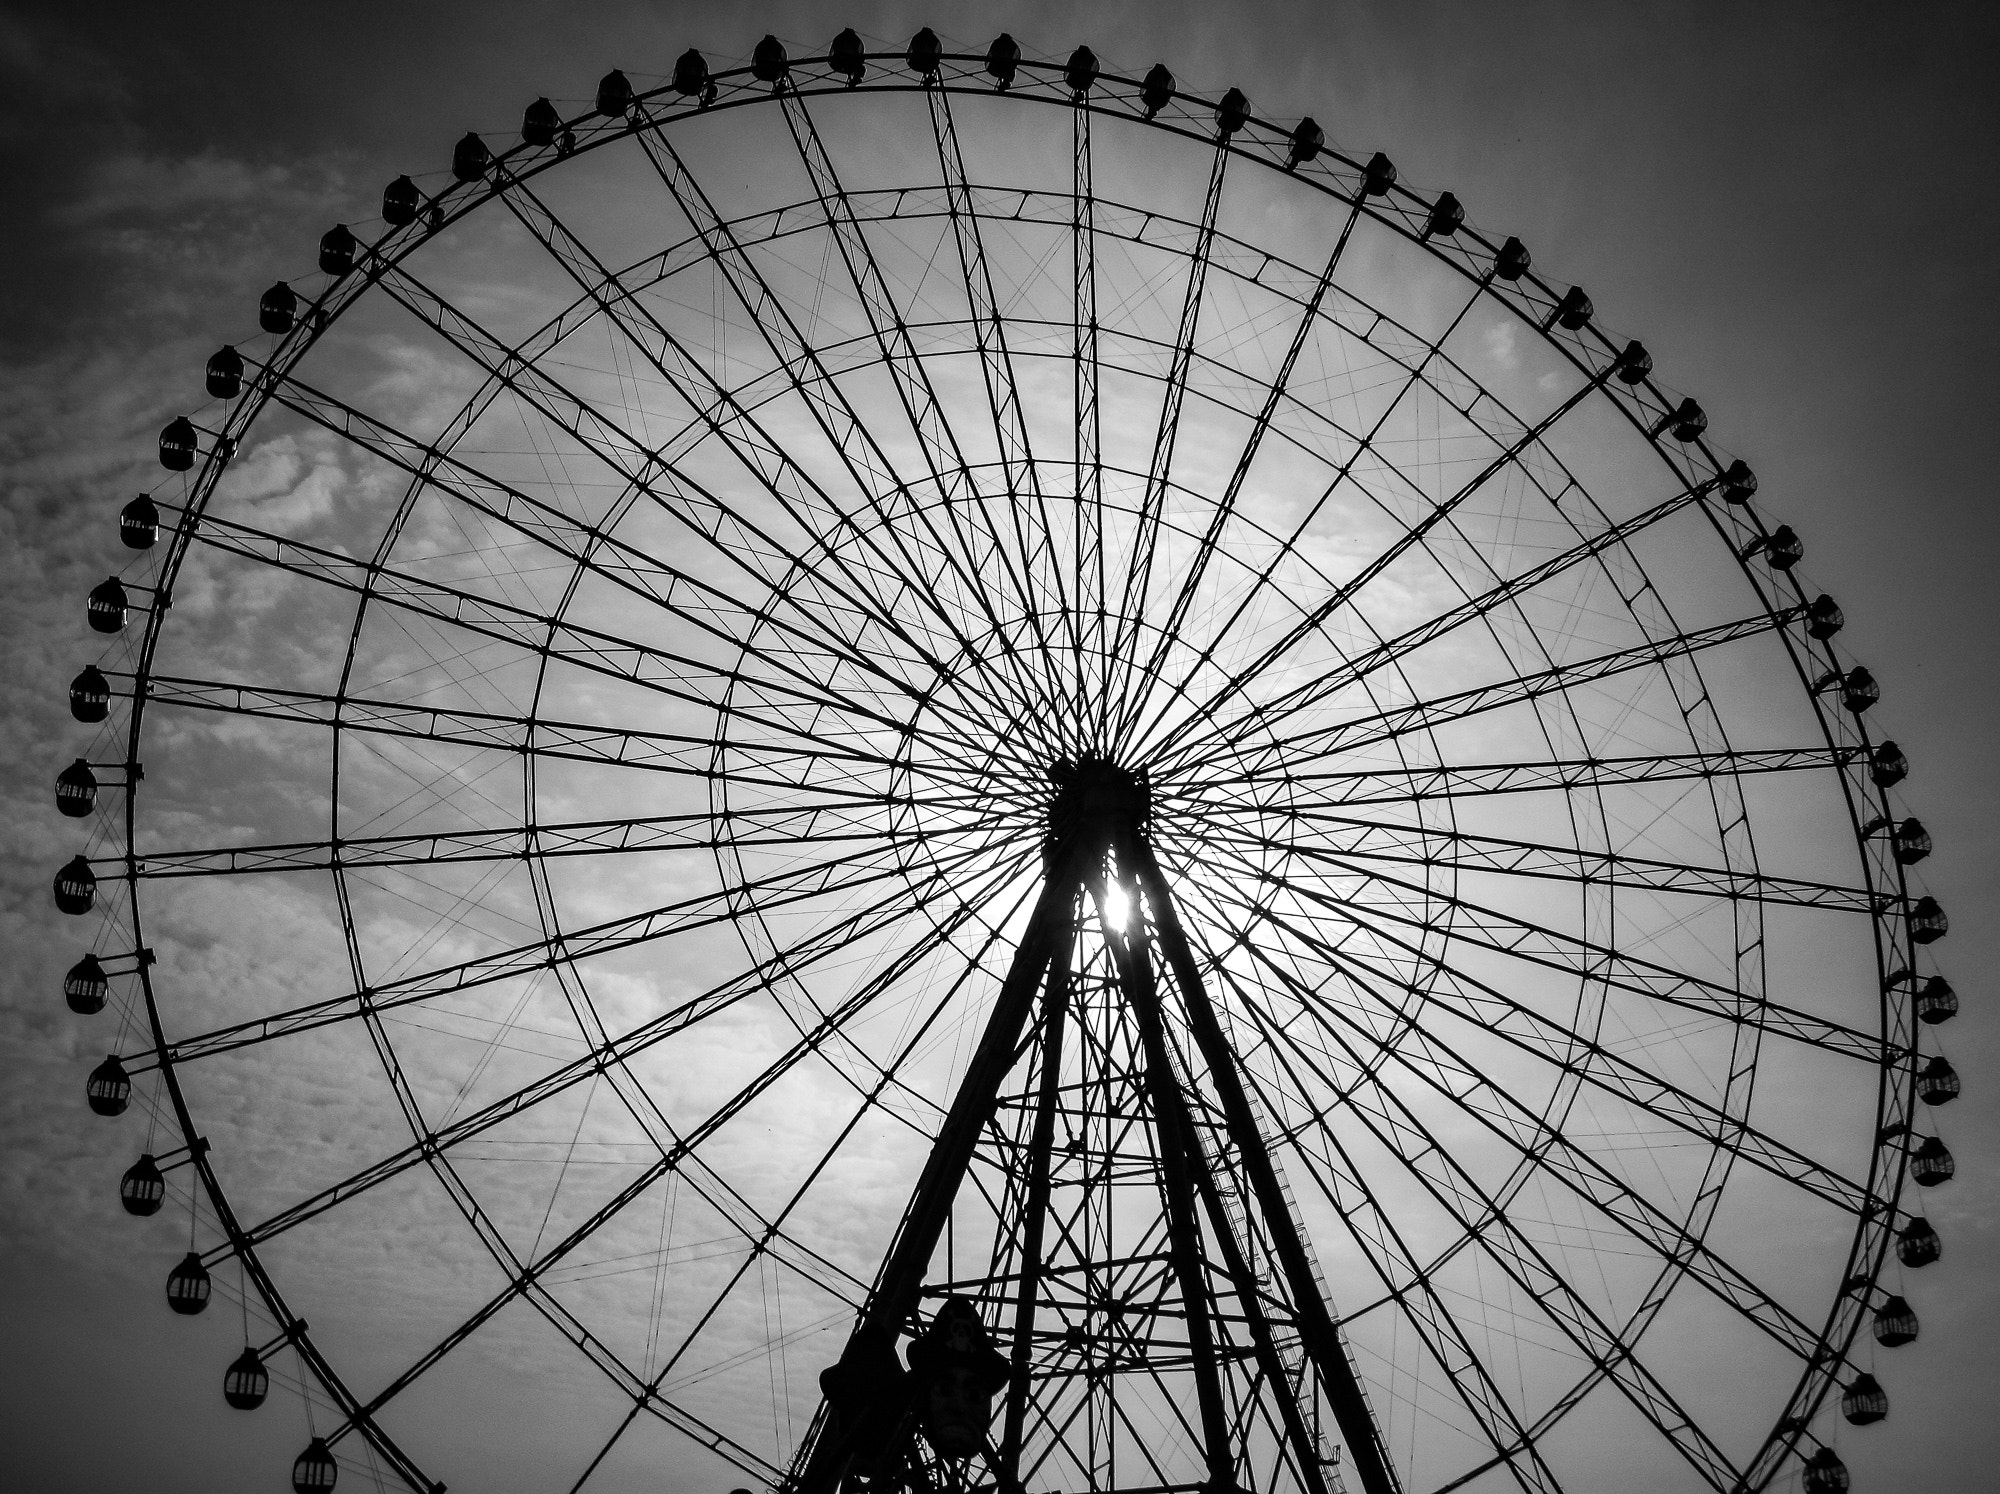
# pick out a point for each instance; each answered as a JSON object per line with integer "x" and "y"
{"x": 1793, "y": 205}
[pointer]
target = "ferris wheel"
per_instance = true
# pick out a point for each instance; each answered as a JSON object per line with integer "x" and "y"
{"x": 915, "y": 771}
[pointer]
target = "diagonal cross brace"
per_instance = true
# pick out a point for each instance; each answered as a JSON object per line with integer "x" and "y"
{"x": 893, "y": 1301}
{"x": 1322, "y": 1337}
{"x": 1184, "y": 1159}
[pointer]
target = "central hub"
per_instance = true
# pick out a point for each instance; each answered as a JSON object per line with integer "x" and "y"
{"x": 1096, "y": 798}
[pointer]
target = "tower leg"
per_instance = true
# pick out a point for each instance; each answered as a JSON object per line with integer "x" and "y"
{"x": 1055, "y": 1012}
{"x": 1131, "y": 952}
{"x": 1098, "y": 821}
{"x": 1322, "y": 1338}
{"x": 856, "y": 1385}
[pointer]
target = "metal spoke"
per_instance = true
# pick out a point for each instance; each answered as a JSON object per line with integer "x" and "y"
{"x": 1487, "y": 928}
{"x": 783, "y": 826}
{"x": 1540, "y": 1143}
{"x": 1308, "y": 746}
{"x": 873, "y": 475}
{"x": 576, "y": 945}
{"x": 721, "y": 415}
{"x": 672, "y": 674}
{"x": 1152, "y": 863}
{"x": 1423, "y": 845}
{"x": 1459, "y": 994}
{"x": 1415, "y": 783}
{"x": 1039, "y": 565}
{"x": 1351, "y": 671}
{"x": 778, "y": 607}
{"x": 587, "y": 742}
{"x": 637, "y": 465}
{"x": 527, "y": 1278}
{"x": 1225, "y": 507}
{"x": 1400, "y": 1132}
{"x": 1404, "y": 1276}
{"x": 888, "y": 324}
{"x": 1145, "y": 533}
{"x": 908, "y": 1048}
{"x": 434, "y": 1144}
{"x": 1088, "y": 577}
{"x": 1414, "y": 376}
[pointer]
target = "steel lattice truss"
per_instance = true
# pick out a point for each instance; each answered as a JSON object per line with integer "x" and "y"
{"x": 813, "y": 693}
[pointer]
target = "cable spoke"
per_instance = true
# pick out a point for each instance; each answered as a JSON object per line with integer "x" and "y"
{"x": 776, "y": 826}
{"x": 595, "y": 550}
{"x": 1003, "y": 395}
{"x": 1564, "y": 1158}
{"x": 1414, "y": 376}
{"x": 786, "y": 963}
{"x": 1427, "y": 715}
{"x": 1351, "y": 671}
{"x": 572, "y": 947}
{"x": 643, "y": 469}
{"x": 1403, "y": 1134}
{"x": 889, "y": 1073}
{"x": 943, "y": 457}
{"x": 1413, "y": 535}
{"x": 1464, "y": 851}
{"x": 1225, "y": 507}
{"x": 739, "y": 514}
{"x": 1572, "y": 954}
{"x": 1538, "y": 1142}
{"x": 1145, "y": 532}
{"x": 1408, "y": 784}
{"x": 721, "y": 415}
{"x": 873, "y": 475}
{"x": 1406, "y": 1279}
{"x": 527, "y": 1278}
{"x": 1462, "y": 995}
{"x": 673, "y": 674}
{"x": 587, "y": 742}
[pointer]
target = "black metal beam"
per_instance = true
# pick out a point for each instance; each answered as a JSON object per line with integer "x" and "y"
{"x": 1132, "y": 954}
{"x": 1345, "y": 737}
{"x": 892, "y": 1303}
{"x": 1089, "y": 538}
{"x": 1055, "y": 1012}
{"x": 1152, "y": 507}
{"x": 1322, "y": 1337}
{"x": 1178, "y": 1129}
{"x": 1225, "y": 507}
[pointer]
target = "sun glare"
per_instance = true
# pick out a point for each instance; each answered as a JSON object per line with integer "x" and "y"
{"x": 1117, "y": 906}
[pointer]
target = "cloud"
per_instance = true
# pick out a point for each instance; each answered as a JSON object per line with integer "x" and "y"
{"x": 42, "y": 66}
{"x": 142, "y": 251}
{"x": 142, "y": 185}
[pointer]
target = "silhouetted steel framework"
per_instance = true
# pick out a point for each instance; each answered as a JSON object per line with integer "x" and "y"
{"x": 1215, "y": 1164}
{"x": 1350, "y": 1078}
